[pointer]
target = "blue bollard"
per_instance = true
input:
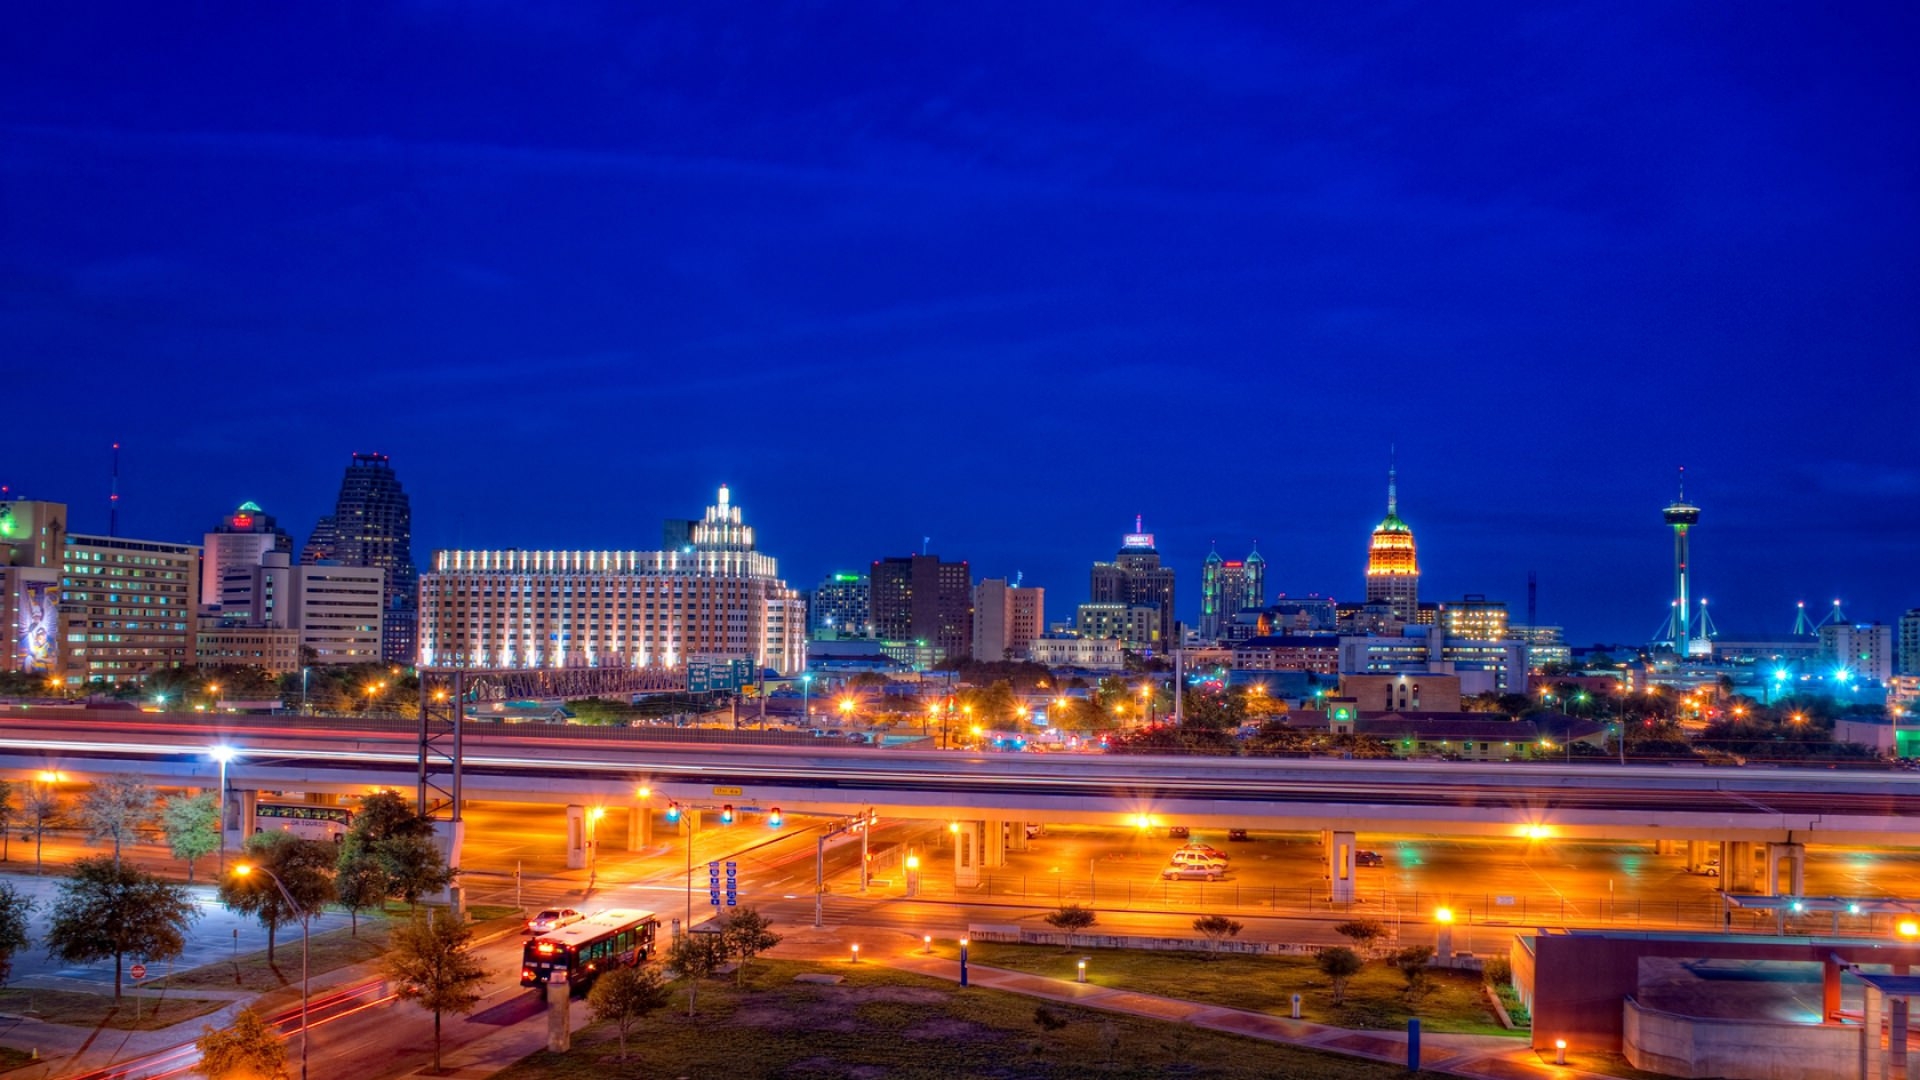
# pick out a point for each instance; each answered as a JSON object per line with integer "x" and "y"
{"x": 963, "y": 963}
{"x": 1413, "y": 1045}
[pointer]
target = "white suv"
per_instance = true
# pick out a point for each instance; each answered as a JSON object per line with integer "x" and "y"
{"x": 1191, "y": 857}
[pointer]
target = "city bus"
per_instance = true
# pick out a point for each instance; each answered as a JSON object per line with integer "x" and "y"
{"x": 588, "y": 947}
{"x": 306, "y": 821}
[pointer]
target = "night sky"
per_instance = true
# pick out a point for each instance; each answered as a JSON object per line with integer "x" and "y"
{"x": 999, "y": 276}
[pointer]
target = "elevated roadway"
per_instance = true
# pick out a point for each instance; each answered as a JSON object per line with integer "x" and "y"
{"x": 564, "y": 766}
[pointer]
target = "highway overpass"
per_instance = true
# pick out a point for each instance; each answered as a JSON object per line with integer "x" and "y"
{"x": 568, "y": 766}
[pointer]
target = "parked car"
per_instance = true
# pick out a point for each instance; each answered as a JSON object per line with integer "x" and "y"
{"x": 1035, "y": 832}
{"x": 1236, "y": 834}
{"x": 1712, "y": 869}
{"x": 552, "y": 919}
{"x": 1178, "y": 832}
{"x": 1184, "y": 857}
{"x": 1194, "y": 872}
{"x": 1368, "y": 858}
{"x": 1207, "y": 848}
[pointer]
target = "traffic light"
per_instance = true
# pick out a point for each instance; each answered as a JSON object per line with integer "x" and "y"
{"x": 773, "y": 818}
{"x": 673, "y": 811}
{"x": 726, "y": 814}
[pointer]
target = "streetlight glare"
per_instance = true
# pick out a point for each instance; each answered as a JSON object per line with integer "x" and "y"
{"x": 223, "y": 754}
{"x": 1443, "y": 915}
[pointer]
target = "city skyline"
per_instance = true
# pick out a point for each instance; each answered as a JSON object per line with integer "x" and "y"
{"x": 892, "y": 281}
{"x": 1074, "y": 563}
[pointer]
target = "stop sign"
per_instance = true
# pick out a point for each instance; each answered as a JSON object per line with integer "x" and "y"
{"x": 138, "y": 971}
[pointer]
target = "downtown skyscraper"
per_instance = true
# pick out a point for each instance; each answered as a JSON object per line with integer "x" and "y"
{"x": 372, "y": 525}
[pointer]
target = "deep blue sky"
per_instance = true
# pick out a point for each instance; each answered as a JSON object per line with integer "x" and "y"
{"x": 1000, "y": 276}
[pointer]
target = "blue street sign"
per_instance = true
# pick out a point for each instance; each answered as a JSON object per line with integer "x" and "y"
{"x": 731, "y": 901}
{"x": 713, "y": 898}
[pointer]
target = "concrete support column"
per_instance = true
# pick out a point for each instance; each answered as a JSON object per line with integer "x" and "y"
{"x": 994, "y": 855}
{"x": 1697, "y": 856}
{"x": 966, "y": 854}
{"x": 1664, "y": 847}
{"x": 239, "y": 823}
{"x": 1829, "y": 992}
{"x": 1340, "y": 864}
{"x": 1016, "y": 836}
{"x": 1873, "y": 1062}
{"x": 1788, "y": 862}
{"x": 448, "y": 836}
{"x": 639, "y": 827}
{"x": 1897, "y": 1039}
{"x": 576, "y": 837}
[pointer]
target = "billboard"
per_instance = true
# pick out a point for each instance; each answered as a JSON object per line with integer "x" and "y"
{"x": 36, "y": 625}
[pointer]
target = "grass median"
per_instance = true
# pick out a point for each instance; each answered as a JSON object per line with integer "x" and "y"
{"x": 1376, "y": 998}
{"x": 328, "y": 952}
{"x": 96, "y": 1010}
{"x": 882, "y": 1022}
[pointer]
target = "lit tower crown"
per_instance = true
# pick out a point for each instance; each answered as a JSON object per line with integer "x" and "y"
{"x": 1393, "y": 566}
{"x": 1682, "y": 515}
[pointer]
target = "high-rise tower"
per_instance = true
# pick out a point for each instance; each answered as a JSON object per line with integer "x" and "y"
{"x": 1682, "y": 516}
{"x": 1136, "y": 578}
{"x": 1393, "y": 566}
{"x": 373, "y": 526}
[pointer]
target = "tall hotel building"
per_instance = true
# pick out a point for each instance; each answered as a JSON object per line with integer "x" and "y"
{"x": 1393, "y": 564}
{"x": 714, "y": 595}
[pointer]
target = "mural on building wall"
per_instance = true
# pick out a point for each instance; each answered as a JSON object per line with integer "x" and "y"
{"x": 39, "y": 605}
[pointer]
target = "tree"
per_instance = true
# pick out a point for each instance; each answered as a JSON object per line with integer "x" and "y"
{"x": 1339, "y": 964}
{"x": 7, "y": 812}
{"x": 41, "y": 809}
{"x": 1364, "y": 933}
{"x": 625, "y": 995}
{"x": 14, "y": 909}
{"x": 387, "y": 829}
{"x": 247, "y": 1049}
{"x": 413, "y": 868}
{"x": 192, "y": 826}
{"x": 1072, "y": 918}
{"x": 1217, "y": 928}
{"x": 431, "y": 961}
{"x": 304, "y": 867}
{"x": 695, "y": 957}
{"x": 106, "y": 910}
{"x": 116, "y": 809}
{"x": 360, "y": 884}
{"x": 747, "y": 934}
{"x": 1412, "y": 963}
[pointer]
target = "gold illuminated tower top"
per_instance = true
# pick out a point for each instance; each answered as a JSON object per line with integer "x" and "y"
{"x": 1393, "y": 565}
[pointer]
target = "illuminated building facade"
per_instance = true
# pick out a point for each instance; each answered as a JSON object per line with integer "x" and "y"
{"x": 1474, "y": 618}
{"x": 126, "y": 607}
{"x": 1393, "y": 566}
{"x": 1135, "y": 578}
{"x": 1228, "y": 587}
{"x": 518, "y": 608}
{"x": 1863, "y": 650}
{"x": 841, "y": 607}
{"x": 1136, "y": 626}
{"x": 1910, "y": 642}
{"x": 235, "y": 547}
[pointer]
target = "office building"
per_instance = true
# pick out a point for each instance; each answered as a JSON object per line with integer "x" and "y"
{"x": 1006, "y": 619}
{"x": 236, "y": 546}
{"x": 919, "y": 598}
{"x": 1863, "y": 650}
{"x": 1228, "y": 587}
{"x": 126, "y": 607}
{"x": 841, "y": 607}
{"x": 521, "y": 608}
{"x": 1420, "y": 692}
{"x": 1910, "y": 642}
{"x": 220, "y": 643}
{"x": 335, "y": 613}
{"x": 1286, "y": 652}
{"x": 1135, "y": 578}
{"x": 1546, "y": 645}
{"x": 1135, "y": 626}
{"x": 1393, "y": 566}
{"x": 1474, "y": 618}
{"x": 1088, "y": 654}
{"x": 372, "y": 525}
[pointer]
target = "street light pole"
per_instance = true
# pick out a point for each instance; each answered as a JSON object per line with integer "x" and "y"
{"x": 306, "y": 922}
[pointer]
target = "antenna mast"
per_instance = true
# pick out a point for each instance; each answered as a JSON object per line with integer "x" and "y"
{"x": 113, "y": 496}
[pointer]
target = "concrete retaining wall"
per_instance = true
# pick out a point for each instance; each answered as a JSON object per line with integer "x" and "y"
{"x": 1694, "y": 1046}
